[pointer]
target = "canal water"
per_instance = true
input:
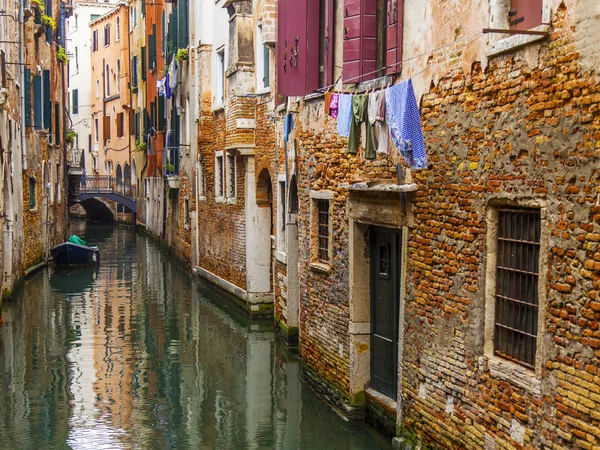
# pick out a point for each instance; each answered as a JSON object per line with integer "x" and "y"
{"x": 136, "y": 354}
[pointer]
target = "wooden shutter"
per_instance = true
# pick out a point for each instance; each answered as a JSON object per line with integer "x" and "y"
{"x": 131, "y": 119}
{"x": 106, "y": 128}
{"x": 37, "y": 102}
{"x": 119, "y": 123}
{"x": 327, "y": 45}
{"x": 162, "y": 120}
{"x": 296, "y": 59}
{"x": 48, "y": 13}
{"x": 47, "y": 104}
{"x": 152, "y": 49}
{"x": 136, "y": 126}
{"x": 27, "y": 95}
{"x": 143, "y": 55}
{"x": 57, "y": 123}
{"x": 2, "y": 69}
{"x": 182, "y": 24}
{"x": 525, "y": 14}
{"x": 134, "y": 72}
{"x": 393, "y": 35}
{"x": 75, "y": 101}
{"x": 360, "y": 40}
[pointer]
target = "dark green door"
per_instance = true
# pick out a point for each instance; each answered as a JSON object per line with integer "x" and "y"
{"x": 385, "y": 301}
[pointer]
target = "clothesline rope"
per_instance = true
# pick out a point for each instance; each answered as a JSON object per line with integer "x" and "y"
{"x": 327, "y": 88}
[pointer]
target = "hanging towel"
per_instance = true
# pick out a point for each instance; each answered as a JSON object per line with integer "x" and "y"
{"x": 360, "y": 116}
{"x": 404, "y": 121}
{"x": 344, "y": 114}
{"x": 333, "y": 105}
{"x": 327, "y": 102}
{"x": 168, "y": 92}
{"x": 377, "y": 122}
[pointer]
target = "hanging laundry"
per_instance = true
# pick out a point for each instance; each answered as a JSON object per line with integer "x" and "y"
{"x": 288, "y": 126}
{"x": 333, "y": 105}
{"x": 360, "y": 116}
{"x": 168, "y": 91}
{"x": 160, "y": 86}
{"x": 344, "y": 114}
{"x": 379, "y": 128}
{"x": 173, "y": 74}
{"x": 327, "y": 102}
{"x": 404, "y": 121}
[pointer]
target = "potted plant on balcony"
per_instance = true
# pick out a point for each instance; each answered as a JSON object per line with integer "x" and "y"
{"x": 183, "y": 54}
{"x": 70, "y": 137}
{"x": 140, "y": 146}
{"x": 48, "y": 21}
{"x": 61, "y": 56}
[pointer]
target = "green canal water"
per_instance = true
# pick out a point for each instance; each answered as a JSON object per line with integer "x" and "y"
{"x": 136, "y": 354}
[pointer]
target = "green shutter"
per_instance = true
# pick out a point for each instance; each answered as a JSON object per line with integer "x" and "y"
{"x": 37, "y": 102}
{"x": 266, "y": 63}
{"x": 57, "y": 122}
{"x": 143, "y": 55}
{"x": 153, "y": 115}
{"x": 136, "y": 126}
{"x": 182, "y": 38}
{"x": 47, "y": 104}
{"x": 162, "y": 121}
{"x": 172, "y": 39}
{"x": 27, "y": 95}
{"x": 75, "y": 101}
{"x": 134, "y": 72}
{"x": 143, "y": 8}
{"x": 152, "y": 49}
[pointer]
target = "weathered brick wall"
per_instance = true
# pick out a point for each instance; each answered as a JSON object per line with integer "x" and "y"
{"x": 510, "y": 131}
{"x": 222, "y": 236}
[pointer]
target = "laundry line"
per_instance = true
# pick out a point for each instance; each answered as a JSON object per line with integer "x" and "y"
{"x": 479, "y": 35}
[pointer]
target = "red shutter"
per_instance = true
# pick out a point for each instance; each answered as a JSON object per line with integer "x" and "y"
{"x": 393, "y": 33}
{"x": 360, "y": 40}
{"x": 525, "y": 14}
{"x": 327, "y": 44}
{"x": 297, "y": 40}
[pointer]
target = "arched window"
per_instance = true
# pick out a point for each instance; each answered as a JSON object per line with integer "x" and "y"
{"x": 32, "y": 199}
{"x": 107, "y": 78}
{"x": 118, "y": 76}
{"x": 118, "y": 28}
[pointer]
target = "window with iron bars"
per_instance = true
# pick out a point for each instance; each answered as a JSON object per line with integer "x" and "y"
{"x": 517, "y": 276}
{"x": 323, "y": 230}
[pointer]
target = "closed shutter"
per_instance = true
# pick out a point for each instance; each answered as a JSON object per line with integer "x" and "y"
{"x": 131, "y": 119}
{"x": 134, "y": 72}
{"x": 393, "y": 33}
{"x": 327, "y": 44}
{"x": 61, "y": 26}
{"x": 360, "y": 40}
{"x": 297, "y": 58}
{"x": 49, "y": 13}
{"x": 75, "y": 101}
{"x": 89, "y": 142}
{"x": 2, "y": 69}
{"x": 266, "y": 66}
{"x": 152, "y": 49}
{"x": 95, "y": 41}
{"x": 27, "y": 95}
{"x": 525, "y": 14}
{"x": 106, "y": 128}
{"x": 136, "y": 126}
{"x": 182, "y": 24}
{"x": 162, "y": 121}
{"x": 37, "y": 102}
{"x": 143, "y": 55}
{"x": 173, "y": 33}
{"x": 153, "y": 115}
{"x": 47, "y": 102}
{"x": 57, "y": 123}
{"x": 143, "y": 8}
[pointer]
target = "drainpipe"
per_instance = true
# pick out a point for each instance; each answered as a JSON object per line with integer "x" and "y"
{"x": 22, "y": 51}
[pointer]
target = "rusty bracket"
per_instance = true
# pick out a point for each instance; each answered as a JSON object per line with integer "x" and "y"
{"x": 529, "y": 32}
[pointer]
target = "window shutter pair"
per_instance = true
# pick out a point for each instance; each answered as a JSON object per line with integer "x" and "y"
{"x": 2, "y": 69}
{"x": 361, "y": 44}
{"x": 525, "y": 14}
{"x": 182, "y": 24}
{"x": 120, "y": 121}
{"x": 106, "y": 128}
{"x": 152, "y": 49}
{"x": 95, "y": 41}
{"x": 297, "y": 55}
{"x": 162, "y": 120}
{"x": 134, "y": 72}
{"x": 57, "y": 123}
{"x": 49, "y": 13}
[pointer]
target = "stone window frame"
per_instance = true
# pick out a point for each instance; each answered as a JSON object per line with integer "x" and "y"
{"x": 261, "y": 47}
{"x": 186, "y": 213}
{"x": 32, "y": 188}
{"x": 219, "y": 77}
{"x": 499, "y": 19}
{"x": 219, "y": 176}
{"x": 200, "y": 181}
{"x": 230, "y": 191}
{"x": 315, "y": 264}
{"x": 500, "y": 368}
{"x": 281, "y": 242}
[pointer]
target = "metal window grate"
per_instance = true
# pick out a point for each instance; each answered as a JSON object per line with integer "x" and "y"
{"x": 517, "y": 272}
{"x": 323, "y": 231}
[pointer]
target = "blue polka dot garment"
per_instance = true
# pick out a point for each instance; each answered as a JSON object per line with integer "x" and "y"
{"x": 404, "y": 121}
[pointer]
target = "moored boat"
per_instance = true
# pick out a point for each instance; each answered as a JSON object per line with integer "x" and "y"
{"x": 74, "y": 252}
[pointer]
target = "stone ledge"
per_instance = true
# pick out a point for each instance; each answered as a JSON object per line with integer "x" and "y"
{"x": 514, "y": 374}
{"x": 320, "y": 267}
{"x": 383, "y": 187}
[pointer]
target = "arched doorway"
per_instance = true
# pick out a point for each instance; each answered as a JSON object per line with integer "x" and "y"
{"x": 133, "y": 172}
{"x": 260, "y": 226}
{"x": 119, "y": 179}
{"x": 127, "y": 179}
{"x": 293, "y": 280}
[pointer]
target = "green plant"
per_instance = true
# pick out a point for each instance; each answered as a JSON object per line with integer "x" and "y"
{"x": 71, "y": 137}
{"x": 182, "y": 55}
{"x": 140, "y": 146}
{"x": 39, "y": 4}
{"x": 48, "y": 21}
{"x": 61, "y": 56}
{"x": 169, "y": 167}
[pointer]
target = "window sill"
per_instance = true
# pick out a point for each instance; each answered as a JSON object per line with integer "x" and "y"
{"x": 219, "y": 108}
{"x": 514, "y": 42}
{"x": 320, "y": 267}
{"x": 202, "y": 198}
{"x": 515, "y": 374}
{"x": 281, "y": 257}
{"x": 263, "y": 91}
{"x": 220, "y": 199}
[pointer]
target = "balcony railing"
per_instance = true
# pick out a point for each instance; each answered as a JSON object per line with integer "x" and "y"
{"x": 107, "y": 185}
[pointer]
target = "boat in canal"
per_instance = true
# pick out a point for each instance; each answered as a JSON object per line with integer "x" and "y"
{"x": 74, "y": 252}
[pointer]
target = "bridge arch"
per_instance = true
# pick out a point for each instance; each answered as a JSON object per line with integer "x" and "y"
{"x": 97, "y": 210}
